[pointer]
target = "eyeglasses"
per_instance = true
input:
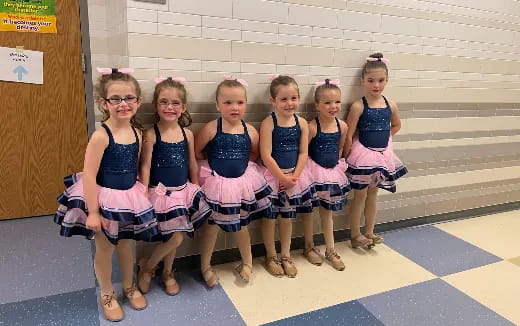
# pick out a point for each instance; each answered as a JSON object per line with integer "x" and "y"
{"x": 165, "y": 104}
{"x": 118, "y": 100}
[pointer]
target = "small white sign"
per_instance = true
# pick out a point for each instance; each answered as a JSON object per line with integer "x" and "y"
{"x": 21, "y": 66}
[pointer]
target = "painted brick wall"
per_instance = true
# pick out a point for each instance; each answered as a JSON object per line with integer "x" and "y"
{"x": 454, "y": 71}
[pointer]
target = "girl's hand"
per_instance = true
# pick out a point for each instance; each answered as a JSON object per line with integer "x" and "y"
{"x": 95, "y": 222}
{"x": 288, "y": 182}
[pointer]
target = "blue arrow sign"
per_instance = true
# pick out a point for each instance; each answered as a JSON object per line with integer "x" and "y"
{"x": 20, "y": 71}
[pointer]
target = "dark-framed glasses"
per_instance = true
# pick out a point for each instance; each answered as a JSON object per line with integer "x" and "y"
{"x": 118, "y": 100}
{"x": 174, "y": 104}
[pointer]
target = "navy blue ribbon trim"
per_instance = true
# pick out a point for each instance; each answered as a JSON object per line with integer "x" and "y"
{"x": 389, "y": 176}
{"x": 129, "y": 216}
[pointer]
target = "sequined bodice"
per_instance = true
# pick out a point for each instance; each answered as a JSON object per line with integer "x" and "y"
{"x": 228, "y": 154}
{"x": 118, "y": 167}
{"x": 324, "y": 147}
{"x": 374, "y": 126}
{"x": 170, "y": 161}
{"x": 285, "y": 143}
{"x": 374, "y": 119}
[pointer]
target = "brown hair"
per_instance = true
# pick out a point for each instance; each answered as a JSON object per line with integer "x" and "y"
{"x": 102, "y": 89}
{"x": 282, "y": 80}
{"x": 229, "y": 83}
{"x": 321, "y": 88}
{"x": 372, "y": 65}
{"x": 185, "y": 118}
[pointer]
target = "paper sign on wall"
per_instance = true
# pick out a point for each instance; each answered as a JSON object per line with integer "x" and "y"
{"x": 21, "y": 66}
{"x": 37, "y": 16}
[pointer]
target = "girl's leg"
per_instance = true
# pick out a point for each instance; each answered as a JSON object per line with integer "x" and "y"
{"x": 310, "y": 252}
{"x": 207, "y": 245}
{"x": 370, "y": 215}
{"x": 163, "y": 251}
{"x": 285, "y": 226}
{"x": 268, "y": 226}
{"x": 103, "y": 263}
{"x": 125, "y": 256}
{"x": 103, "y": 269}
{"x": 272, "y": 262}
{"x": 160, "y": 252}
{"x": 170, "y": 283}
{"x": 327, "y": 227}
{"x": 245, "y": 270}
{"x": 170, "y": 256}
{"x": 356, "y": 206}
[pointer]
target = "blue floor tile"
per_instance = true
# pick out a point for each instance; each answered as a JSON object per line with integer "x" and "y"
{"x": 437, "y": 251}
{"x": 348, "y": 313}
{"x": 37, "y": 262}
{"x": 194, "y": 305}
{"x": 77, "y": 308}
{"x": 431, "y": 303}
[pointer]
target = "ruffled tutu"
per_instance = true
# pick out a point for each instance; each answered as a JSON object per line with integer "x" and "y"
{"x": 235, "y": 201}
{"x": 182, "y": 208}
{"x": 299, "y": 199}
{"x": 128, "y": 213}
{"x": 331, "y": 185}
{"x": 374, "y": 168}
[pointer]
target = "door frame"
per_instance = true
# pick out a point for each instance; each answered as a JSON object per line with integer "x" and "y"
{"x": 87, "y": 66}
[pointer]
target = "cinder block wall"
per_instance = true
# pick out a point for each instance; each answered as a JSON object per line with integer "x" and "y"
{"x": 454, "y": 74}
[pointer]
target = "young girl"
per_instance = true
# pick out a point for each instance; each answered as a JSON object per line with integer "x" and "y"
{"x": 283, "y": 147}
{"x": 168, "y": 160}
{"x": 107, "y": 190}
{"x": 234, "y": 189}
{"x": 371, "y": 161}
{"x": 327, "y": 137}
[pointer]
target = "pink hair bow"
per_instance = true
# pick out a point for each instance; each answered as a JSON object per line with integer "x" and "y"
{"x": 108, "y": 71}
{"x": 330, "y": 81}
{"x": 180, "y": 80}
{"x": 241, "y": 81}
{"x": 385, "y": 60}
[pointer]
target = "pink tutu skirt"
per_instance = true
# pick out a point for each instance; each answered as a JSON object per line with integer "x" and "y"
{"x": 182, "y": 208}
{"x": 374, "y": 167}
{"x": 331, "y": 185}
{"x": 128, "y": 213}
{"x": 235, "y": 201}
{"x": 299, "y": 199}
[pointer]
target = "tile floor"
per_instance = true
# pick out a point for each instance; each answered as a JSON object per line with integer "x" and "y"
{"x": 464, "y": 272}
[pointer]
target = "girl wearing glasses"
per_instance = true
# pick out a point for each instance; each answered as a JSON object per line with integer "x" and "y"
{"x": 106, "y": 201}
{"x": 235, "y": 190}
{"x": 169, "y": 168}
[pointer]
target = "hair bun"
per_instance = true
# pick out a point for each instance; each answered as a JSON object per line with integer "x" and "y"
{"x": 377, "y": 55}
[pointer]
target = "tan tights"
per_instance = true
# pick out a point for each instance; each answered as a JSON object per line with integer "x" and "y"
{"x": 285, "y": 233}
{"x": 209, "y": 238}
{"x": 368, "y": 197}
{"x": 326, "y": 227}
{"x": 103, "y": 262}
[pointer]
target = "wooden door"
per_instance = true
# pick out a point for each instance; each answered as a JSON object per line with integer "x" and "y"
{"x": 43, "y": 128}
